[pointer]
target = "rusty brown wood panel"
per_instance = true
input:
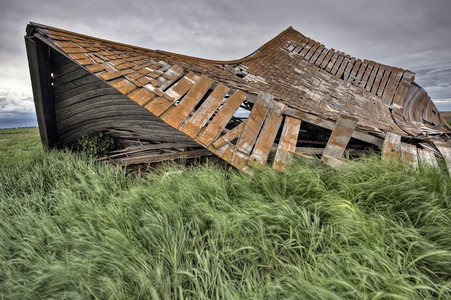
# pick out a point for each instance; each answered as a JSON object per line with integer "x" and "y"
{"x": 307, "y": 48}
{"x": 266, "y": 139}
{"x": 401, "y": 93}
{"x": 253, "y": 124}
{"x": 173, "y": 74}
{"x": 204, "y": 113}
{"x": 343, "y": 65}
{"x": 348, "y": 69}
{"x": 378, "y": 79}
{"x": 392, "y": 84}
{"x": 321, "y": 57}
{"x": 337, "y": 63}
{"x": 355, "y": 68}
{"x": 330, "y": 125}
{"x": 391, "y": 150}
{"x": 174, "y": 93}
{"x": 361, "y": 71}
{"x": 372, "y": 77}
{"x": 287, "y": 144}
{"x": 427, "y": 157}
{"x": 367, "y": 73}
{"x": 327, "y": 58}
{"x": 339, "y": 139}
{"x": 141, "y": 96}
{"x": 230, "y": 136}
{"x": 409, "y": 155}
{"x": 179, "y": 114}
{"x": 316, "y": 54}
{"x": 383, "y": 82}
{"x": 219, "y": 122}
{"x": 312, "y": 50}
{"x": 332, "y": 61}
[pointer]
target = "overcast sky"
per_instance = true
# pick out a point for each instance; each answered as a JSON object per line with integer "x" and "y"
{"x": 411, "y": 34}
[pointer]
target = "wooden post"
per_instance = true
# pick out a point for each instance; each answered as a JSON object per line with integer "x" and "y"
{"x": 39, "y": 62}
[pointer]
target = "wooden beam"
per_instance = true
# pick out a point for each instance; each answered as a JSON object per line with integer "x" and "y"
{"x": 39, "y": 62}
{"x": 287, "y": 144}
{"x": 331, "y": 125}
{"x": 339, "y": 139}
{"x": 391, "y": 150}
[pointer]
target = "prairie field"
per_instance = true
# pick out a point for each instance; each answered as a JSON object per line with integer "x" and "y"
{"x": 72, "y": 228}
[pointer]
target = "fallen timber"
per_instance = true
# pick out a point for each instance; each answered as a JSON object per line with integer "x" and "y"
{"x": 289, "y": 96}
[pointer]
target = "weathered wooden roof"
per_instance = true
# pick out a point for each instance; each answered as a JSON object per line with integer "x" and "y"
{"x": 289, "y": 80}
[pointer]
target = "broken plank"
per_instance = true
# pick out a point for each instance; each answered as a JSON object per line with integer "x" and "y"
{"x": 219, "y": 122}
{"x": 229, "y": 136}
{"x": 327, "y": 58}
{"x": 339, "y": 138}
{"x": 189, "y": 102}
{"x": 287, "y": 144}
{"x": 266, "y": 139}
{"x": 204, "y": 113}
{"x": 409, "y": 155}
{"x": 391, "y": 149}
{"x": 427, "y": 157}
{"x": 330, "y": 125}
{"x": 159, "y": 105}
{"x": 253, "y": 124}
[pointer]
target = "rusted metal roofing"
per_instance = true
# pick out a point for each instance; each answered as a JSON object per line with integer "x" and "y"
{"x": 295, "y": 89}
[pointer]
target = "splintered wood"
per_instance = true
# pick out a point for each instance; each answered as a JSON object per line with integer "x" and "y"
{"x": 287, "y": 144}
{"x": 338, "y": 140}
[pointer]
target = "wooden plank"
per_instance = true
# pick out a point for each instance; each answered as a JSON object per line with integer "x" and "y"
{"x": 160, "y": 104}
{"x": 221, "y": 119}
{"x": 372, "y": 77}
{"x": 189, "y": 102}
{"x": 327, "y": 58}
{"x": 427, "y": 157}
{"x": 312, "y": 51}
{"x": 174, "y": 73}
{"x": 40, "y": 69}
{"x": 229, "y": 136}
{"x": 343, "y": 65}
{"x": 337, "y": 64}
{"x": 361, "y": 71}
{"x": 348, "y": 69}
{"x": 204, "y": 113}
{"x": 316, "y": 54}
{"x": 323, "y": 54}
{"x": 330, "y": 125}
{"x": 391, "y": 149}
{"x": 409, "y": 155}
{"x": 266, "y": 138}
{"x": 401, "y": 93}
{"x": 332, "y": 61}
{"x": 356, "y": 67}
{"x": 253, "y": 124}
{"x": 367, "y": 73}
{"x": 339, "y": 139}
{"x": 392, "y": 85}
{"x": 378, "y": 79}
{"x": 445, "y": 150}
{"x": 307, "y": 48}
{"x": 383, "y": 82}
{"x": 287, "y": 144}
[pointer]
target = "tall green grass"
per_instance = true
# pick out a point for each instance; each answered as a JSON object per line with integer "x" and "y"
{"x": 74, "y": 229}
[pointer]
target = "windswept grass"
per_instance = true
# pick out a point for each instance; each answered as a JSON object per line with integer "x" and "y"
{"x": 73, "y": 229}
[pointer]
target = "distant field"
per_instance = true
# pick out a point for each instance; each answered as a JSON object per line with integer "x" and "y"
{"x": 18, "y": 144}
{"x": 446, "y": 115}
{"x": 72, "y": 228}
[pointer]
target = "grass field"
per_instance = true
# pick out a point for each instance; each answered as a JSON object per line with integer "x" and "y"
{"x": 74, "y": 229}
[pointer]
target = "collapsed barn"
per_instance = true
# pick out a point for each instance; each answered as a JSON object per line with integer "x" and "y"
{"x": 292, "y": 96}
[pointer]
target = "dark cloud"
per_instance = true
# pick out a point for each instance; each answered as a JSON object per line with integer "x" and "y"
{"x": 412, "y": 34}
